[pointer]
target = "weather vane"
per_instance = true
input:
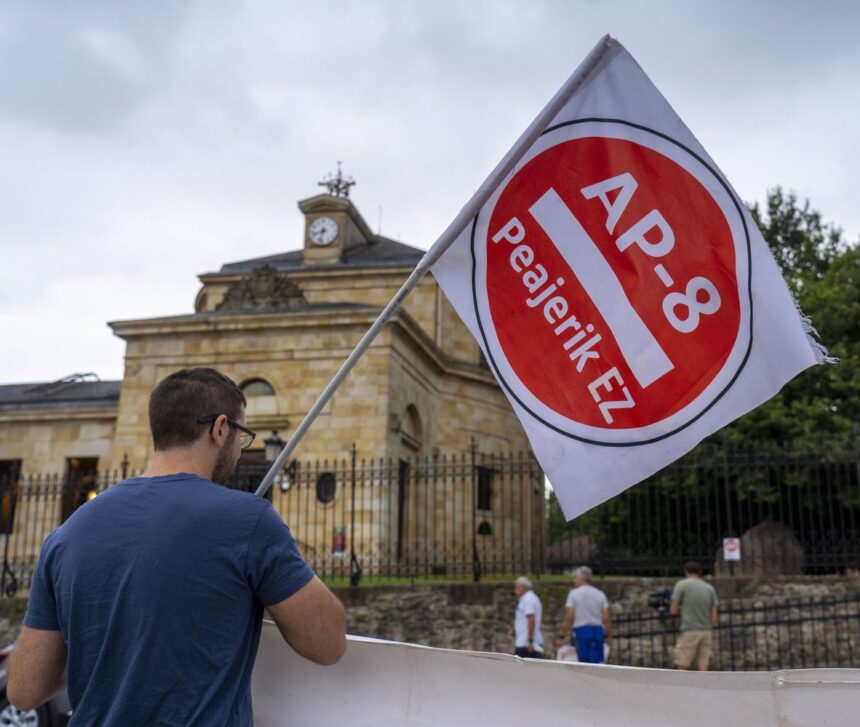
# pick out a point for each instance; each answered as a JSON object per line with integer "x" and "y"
{"x": 337, "y": 184}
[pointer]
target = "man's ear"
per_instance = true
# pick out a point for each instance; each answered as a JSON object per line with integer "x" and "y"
{"x": 220, "y": 431}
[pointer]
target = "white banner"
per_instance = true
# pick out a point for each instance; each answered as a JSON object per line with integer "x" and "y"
{"x": 620, "y": 291}
{"x": 381, "y": 683}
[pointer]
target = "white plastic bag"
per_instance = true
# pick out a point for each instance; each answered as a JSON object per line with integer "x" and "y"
{"x": 566, "y": 653}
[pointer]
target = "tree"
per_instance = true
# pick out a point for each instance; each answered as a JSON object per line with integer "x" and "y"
{"x": 822, "y": 272}
{"x": 804, "y": 247}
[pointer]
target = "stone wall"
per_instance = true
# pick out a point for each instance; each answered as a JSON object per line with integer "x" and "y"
{"x": 478, "y": 617}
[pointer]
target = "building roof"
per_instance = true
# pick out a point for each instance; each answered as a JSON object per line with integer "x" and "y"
{"x": 381, "y": 253}
{"x": 61, "y": 394}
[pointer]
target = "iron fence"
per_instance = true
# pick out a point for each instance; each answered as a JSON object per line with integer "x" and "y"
{"x": 463, "y": 515}
{"x": 795, "y": 509}
{"x": 777, "y": 633}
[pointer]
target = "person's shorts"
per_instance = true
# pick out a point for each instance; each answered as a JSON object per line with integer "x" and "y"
{"x": 693, "y": 648}
{"x": 589, "y": 642}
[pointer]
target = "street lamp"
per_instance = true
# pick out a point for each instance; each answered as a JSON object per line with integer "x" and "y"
{"x": 274, "y": 445}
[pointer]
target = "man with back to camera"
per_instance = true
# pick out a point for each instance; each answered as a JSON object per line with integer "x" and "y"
{"x": 586, "y": 619}
{"x": 154, "y": 590}
{"x": 697, "y": 603}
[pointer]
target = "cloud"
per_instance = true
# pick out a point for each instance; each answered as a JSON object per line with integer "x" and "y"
{"x": 144, "y": 143}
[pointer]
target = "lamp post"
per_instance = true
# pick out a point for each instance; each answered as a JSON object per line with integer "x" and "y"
{"x": 274, "y": 445}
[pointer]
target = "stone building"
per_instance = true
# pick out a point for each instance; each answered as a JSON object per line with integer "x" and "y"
{"x": 281, "y": 326}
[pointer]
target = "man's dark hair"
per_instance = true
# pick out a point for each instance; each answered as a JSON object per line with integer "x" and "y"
{"x": 183, "y": 398}
{"x": 691, "y": 566}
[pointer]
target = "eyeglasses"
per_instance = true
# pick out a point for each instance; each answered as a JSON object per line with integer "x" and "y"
{"x": 246, "y": 436}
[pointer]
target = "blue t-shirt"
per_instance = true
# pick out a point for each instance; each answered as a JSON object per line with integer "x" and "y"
{"x": 158, "y": 587}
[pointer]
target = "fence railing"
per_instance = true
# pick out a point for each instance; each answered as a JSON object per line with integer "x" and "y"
{"x": 779, "y": 633}
{"x": 796, "y": 510}
{"x": 465, "y": 515}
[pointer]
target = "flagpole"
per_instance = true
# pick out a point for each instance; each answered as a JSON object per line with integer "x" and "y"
{"x": 445, "y": 240}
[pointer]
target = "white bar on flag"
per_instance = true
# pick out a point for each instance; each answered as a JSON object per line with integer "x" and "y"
{"x": 619, "y": 289}
{"x": 646, "y": 358}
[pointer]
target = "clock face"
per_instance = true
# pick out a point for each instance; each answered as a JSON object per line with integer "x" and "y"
{"x": 322, "y": 231}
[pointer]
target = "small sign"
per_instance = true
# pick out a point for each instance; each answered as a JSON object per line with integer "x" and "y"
{"x": 338, "y": 540}
{"x": 731, "y": 548}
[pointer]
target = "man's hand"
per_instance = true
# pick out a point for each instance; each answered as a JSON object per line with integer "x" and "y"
{"x": 37, "y": 668}
{"x": 313, "y": 622}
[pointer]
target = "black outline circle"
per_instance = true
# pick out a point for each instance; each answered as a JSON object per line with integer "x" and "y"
{"x": 749, "y": 293}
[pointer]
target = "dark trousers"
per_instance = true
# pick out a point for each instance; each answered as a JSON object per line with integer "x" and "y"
{"x": 526, "y": 654}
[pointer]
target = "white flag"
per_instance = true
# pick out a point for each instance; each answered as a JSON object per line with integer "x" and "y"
{"x": 620, "y": 290}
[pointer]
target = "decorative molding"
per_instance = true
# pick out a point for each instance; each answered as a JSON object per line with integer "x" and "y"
{"x": 264, "y": 289}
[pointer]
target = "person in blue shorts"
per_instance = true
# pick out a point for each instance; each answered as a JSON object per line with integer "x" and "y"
{"x": 148, "y": 600}
{"x": 586, "y": 620}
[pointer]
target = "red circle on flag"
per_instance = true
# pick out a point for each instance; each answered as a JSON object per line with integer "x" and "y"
{"x": 659, "y": 322}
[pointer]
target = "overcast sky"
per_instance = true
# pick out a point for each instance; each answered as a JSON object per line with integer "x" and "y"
{"x": 144, "y": 143}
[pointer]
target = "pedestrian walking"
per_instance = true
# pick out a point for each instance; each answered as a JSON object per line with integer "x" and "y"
{"x": 587, "y": 624}
{"x": 528, "y": 641}
{"x": 696, "y": 602}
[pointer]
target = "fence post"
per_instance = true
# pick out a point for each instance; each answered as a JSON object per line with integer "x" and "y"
{"x": 124, "y": 465}
{"x": 354, "y": 565}
{"x": 476, "y": 562}
{"x": 731, "y": 529}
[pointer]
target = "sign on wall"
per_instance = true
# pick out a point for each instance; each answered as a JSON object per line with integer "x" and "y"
{"x": 731, "y": 549}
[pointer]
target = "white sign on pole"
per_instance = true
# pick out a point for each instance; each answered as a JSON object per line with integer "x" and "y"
{"x": 731, "y": 548}
{"x": 620, "y": 290}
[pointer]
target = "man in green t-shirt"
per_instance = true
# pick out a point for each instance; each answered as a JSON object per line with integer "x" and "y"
{"x": 697, "y": 603}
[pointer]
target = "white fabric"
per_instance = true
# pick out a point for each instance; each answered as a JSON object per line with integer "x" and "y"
{"x": 527, "y": 605}
{"x": 590, "y": 461}
{"x": 386, "y": 684}
{"x": 588, "y": 603}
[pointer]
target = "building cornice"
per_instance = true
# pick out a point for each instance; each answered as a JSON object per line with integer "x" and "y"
{"x": 54, "y": 413}
{"x": 358, "y": 316}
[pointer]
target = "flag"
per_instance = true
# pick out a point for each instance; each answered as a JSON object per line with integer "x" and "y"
{"x": 622, "y": 295}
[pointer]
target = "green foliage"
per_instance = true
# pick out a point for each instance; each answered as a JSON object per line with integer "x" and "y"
{"x": 804, "y": 247}
{"x": 823, "y": 273}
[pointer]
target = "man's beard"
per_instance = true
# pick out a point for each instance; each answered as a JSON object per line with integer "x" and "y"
{"x": 225, "y": 465}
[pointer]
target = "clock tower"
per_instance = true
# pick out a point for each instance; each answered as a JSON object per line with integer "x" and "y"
{"x": 333, "y": 225}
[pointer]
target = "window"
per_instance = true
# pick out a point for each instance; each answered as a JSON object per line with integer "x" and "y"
{"x": 485, "y": 528}
{"x": 326, "y": 486}
{"x": 485, "y": 488}
{"x": 10, "y": 470}
{"x": 257, "y": 387}
{"x": 81, "y": 484}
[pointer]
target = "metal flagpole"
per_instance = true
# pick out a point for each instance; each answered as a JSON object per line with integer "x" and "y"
{"x": 445, "y": 240}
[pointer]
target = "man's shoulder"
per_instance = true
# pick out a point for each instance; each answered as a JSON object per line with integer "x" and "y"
{"x": 184, "y": 492}
{"x": 588, "y": 591}
{"x": 697, "y": 585}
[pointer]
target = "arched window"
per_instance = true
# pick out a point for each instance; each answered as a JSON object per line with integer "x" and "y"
{"x": 257, "y": 387}
{"x": 411, "y": 431}
{"x": 262, "y": 401}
